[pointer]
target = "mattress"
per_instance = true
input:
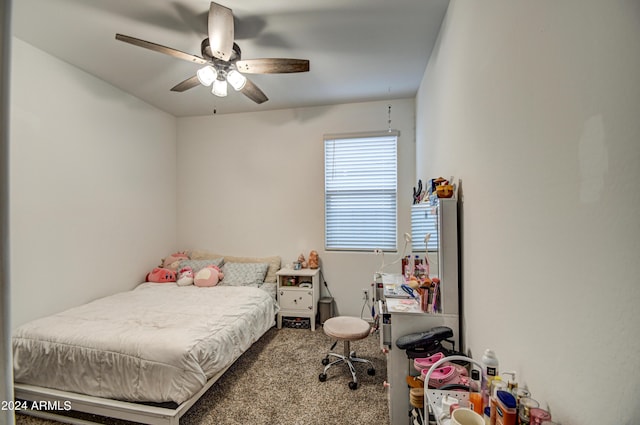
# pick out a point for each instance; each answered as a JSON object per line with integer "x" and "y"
{"x": 156, "y": 343}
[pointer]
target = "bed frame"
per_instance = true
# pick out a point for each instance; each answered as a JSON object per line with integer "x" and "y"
{"x": 128, "y": 411}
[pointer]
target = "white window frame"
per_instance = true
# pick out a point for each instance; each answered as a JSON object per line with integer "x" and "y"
{"x": 386, "y": 240}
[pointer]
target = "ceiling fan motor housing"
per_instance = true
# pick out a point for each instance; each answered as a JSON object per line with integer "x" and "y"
{"x": 205, "y": 49}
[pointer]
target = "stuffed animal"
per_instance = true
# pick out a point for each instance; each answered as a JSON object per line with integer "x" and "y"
{"x": 172, "y": 262}
{"x": 209, "y": 276}
{"x": 185, "y": 276}
{"x": 160, "y": 275}
{"x": 313, "y": 260}
{"x": 302, "y": 261}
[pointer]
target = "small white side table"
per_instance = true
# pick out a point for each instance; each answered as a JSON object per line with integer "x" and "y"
{"x": 298, "y": 293}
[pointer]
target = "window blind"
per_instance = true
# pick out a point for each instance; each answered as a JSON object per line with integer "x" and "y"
{"x": 361, "y": 192}
{"x": 424, "y": 219}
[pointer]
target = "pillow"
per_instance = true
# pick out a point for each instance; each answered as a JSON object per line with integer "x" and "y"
{"x": 160, "y": 275}
{"x": 242, "y": 274}
{"x": 197, "y": 265}
{"x": 172, "y": 261}
{"x": 273, "y": 262}
{"x": 208, "y": 276}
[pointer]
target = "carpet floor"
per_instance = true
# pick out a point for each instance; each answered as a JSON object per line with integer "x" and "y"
{"x": 276, "y": 383}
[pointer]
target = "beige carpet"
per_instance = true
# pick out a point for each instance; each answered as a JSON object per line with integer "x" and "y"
{"x": 276, "y": 383}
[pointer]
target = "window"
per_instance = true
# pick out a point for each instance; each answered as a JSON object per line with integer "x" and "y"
{"x": 360, "y": 191}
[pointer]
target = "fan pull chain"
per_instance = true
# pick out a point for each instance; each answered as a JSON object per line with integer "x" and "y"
{"x": 389, "y": 120}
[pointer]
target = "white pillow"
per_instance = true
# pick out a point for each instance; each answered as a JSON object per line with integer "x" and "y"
{"x": 243, "y": 274}
{"x": 197, "y": 265}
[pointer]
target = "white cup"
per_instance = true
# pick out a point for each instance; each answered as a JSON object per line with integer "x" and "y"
{"x": 464, "y": 416}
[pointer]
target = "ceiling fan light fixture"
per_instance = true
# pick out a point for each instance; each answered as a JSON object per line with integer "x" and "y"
{"x": 207, "y": 75}
{"x": 219, "y": 88}
{"x": 221, "y": 59}
{"x": 236, "y": 79}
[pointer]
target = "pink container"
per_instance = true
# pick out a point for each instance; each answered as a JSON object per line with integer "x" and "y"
{"x": 537, "y": 416}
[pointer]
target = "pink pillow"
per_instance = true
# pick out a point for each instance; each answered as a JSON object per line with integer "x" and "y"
{"x": 160, "y": 275}
{"x": 209, "y": 276}
{"x": 172, "y": 261}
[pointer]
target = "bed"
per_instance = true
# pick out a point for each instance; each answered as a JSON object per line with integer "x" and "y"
{"x": 144, "y": 355}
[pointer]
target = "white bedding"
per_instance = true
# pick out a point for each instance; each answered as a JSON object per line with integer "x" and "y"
{"x": 157, "y": 343}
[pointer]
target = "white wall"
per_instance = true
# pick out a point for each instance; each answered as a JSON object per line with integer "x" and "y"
{"x": 534, "y": 105}
{"x": 253, "y": 184}
{"x": 92, "y": 186}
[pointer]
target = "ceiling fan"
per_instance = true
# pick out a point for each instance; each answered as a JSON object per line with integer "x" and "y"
{"x": 222, "y": 61}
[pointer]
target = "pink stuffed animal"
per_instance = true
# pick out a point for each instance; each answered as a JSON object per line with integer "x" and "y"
{"x": 172, "y": 261}
{"x": 185, "y": 276}
{"x": 160, "y": 275}
{"x": 209, "y": 276}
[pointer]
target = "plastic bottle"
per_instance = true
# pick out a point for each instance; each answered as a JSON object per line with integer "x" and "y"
{"x": 512, "y": 384}
{"x": 414, "y": 265}
{"x": 424, "y": 298}
{"x": 475, "y": 396}
{"x": 475, "y": 402}
{"x": 407, "y": 268}
{"x": 497, "y": 384}
{"x": 490, "y": 369}
{"x": 506, "y": 412}
{"x": 476, "y": 383}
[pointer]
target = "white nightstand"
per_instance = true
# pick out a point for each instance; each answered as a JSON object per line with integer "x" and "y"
{"x": 296, "y": 301}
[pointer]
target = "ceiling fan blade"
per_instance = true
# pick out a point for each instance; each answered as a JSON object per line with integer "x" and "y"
{"x": 161, "y": 49}
{"x": 272, "y": 66}
{"x": 187, "y": 84}
{"x": 253, "y": 92}
{"x": 220, "y": 28}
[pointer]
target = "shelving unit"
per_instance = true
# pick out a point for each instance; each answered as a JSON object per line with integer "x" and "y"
{"x": 297, "y": 301}
{"x": 399, "y": 318}
{"x": 433, "y": 398}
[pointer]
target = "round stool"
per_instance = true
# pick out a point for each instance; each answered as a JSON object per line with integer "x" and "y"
{"x": 346, "y": 329}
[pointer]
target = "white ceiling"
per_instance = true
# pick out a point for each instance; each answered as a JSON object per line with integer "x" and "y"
{"x": 359, "y": 50}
